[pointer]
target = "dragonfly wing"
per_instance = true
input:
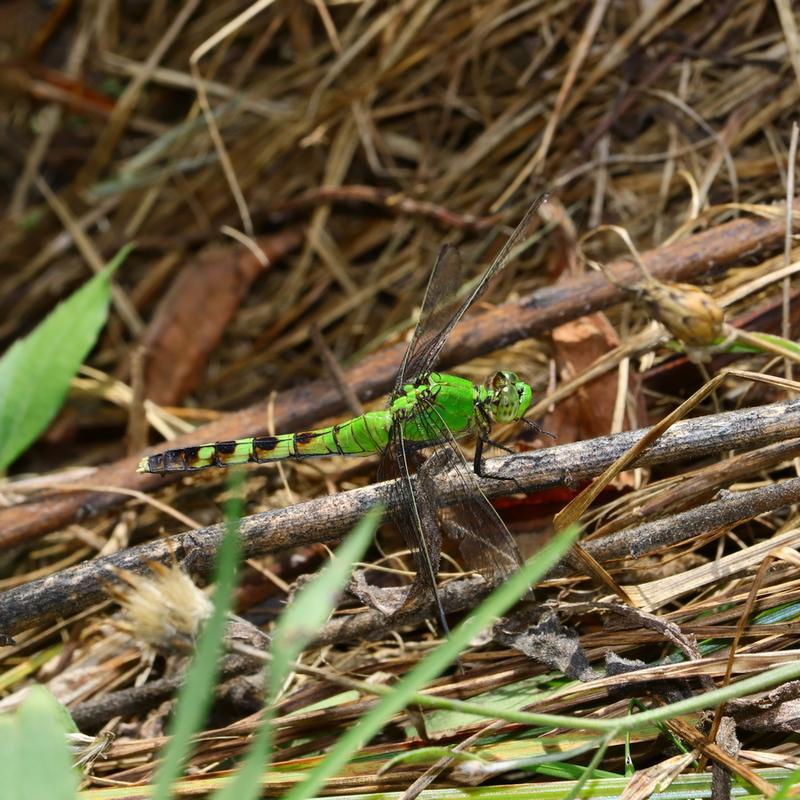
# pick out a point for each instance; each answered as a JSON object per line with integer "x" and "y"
{"x": 438, "y": 305}
{"x": 440, "y": 313}
{"x": 414, "y": 516}
{"x": 483, "y": 538}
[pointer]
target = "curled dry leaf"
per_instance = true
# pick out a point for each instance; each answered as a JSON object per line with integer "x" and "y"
{"x": 549, "y": 643}
{"x": 186, "y": 327}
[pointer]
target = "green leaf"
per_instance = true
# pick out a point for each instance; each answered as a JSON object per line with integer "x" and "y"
{"x": 298, "y": 626}
{"x": 514, "y": 696}
{"x": 35, "y": 372}
{"x": 197, "y": 692}
{"x": 429, "y": 755}
{"x": 790, "y": 347}
{"x": 35, "y": 762}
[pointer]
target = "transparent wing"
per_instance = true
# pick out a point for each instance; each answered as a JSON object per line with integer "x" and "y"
{"x": 441, "y": 313}
{"x": 483, "y": 538}
{"x": 414, "y": 516}
{"x": 484, "y": 541}
{"x": 438, "y": 306}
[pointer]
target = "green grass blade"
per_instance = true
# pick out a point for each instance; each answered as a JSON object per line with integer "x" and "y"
{"x": 434, "y": 664}
{"x": 296, "y": 628}
{"x": 197, "y": 692}
{"x": 788, "y": 784}
{"x": 300, "y": 622}
{"x": 591, "y": 767}
{"x": 771, "y": 344}
{"x": 35, "y": 762}
{"x": 35, "y": 372}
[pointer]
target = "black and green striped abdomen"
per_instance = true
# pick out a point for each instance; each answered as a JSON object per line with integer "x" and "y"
{"x": 444, "y": 405}
{"x": 360, "y": 436}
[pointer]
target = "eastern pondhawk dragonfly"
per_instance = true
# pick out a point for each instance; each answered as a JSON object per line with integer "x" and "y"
{"x": 427, "y": 411}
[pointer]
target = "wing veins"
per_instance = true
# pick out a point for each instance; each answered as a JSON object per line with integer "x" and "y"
{"x": 504, "y": 559}
{"x": 422, "y": 547}
{"x": 424, "y": 361}
{"x": 409, "y": 521}
{"x": 429, "y": 309}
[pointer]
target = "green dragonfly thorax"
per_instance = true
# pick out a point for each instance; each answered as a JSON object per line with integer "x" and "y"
{"x": 460, "y": 405}
{"x": 505, "y": 397}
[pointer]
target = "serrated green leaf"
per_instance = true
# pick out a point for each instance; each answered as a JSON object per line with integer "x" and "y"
{"x": 35, "y": 372}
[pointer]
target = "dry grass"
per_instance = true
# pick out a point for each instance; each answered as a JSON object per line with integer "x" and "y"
{"x": 347, "y": 141}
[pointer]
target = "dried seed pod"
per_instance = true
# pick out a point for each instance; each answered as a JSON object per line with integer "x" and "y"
{"x": 691, "y": 315}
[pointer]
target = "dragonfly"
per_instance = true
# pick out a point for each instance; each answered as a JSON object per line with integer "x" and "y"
{"x": 427, "y": 412}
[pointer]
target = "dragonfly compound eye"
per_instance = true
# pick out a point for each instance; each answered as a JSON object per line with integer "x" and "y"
{"x": 504, "y": 404}
{"x": 501, "y": 379}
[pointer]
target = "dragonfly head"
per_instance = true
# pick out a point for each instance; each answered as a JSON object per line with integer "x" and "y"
{"x": 509, "y": 397}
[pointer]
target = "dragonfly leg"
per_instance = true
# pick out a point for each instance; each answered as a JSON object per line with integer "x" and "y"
{"x": 499, "y": 445}
{"x": 537, "y": 427}
{"x": 483, "y": 439}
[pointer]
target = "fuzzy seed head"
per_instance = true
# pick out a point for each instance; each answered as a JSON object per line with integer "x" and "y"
{"x": 164, "y": 609}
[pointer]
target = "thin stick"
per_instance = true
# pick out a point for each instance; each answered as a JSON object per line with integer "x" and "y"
{"x": 335, "y": 371}
{"x": 202, "y": 98}
{"x": 573, "y": 510}
{"x": 86, "y": 247}
{"x": 130, "y": 96}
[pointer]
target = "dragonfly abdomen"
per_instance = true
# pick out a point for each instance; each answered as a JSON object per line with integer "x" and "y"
{"x": 363, "y": 435}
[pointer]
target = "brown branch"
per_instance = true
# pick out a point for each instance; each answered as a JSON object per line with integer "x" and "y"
{"x": 326, "y": 519}
{"x": 459, "y": 595}
{"x": 732, "y": 509}
{"x": 724, "y": 246}
{"x": 699, "y": 486}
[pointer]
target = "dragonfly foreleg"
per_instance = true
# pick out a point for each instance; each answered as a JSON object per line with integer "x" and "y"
{"x": 478, "y": 466}
{"x": 484, "y": 426}
{"x": 537, "y": 427}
